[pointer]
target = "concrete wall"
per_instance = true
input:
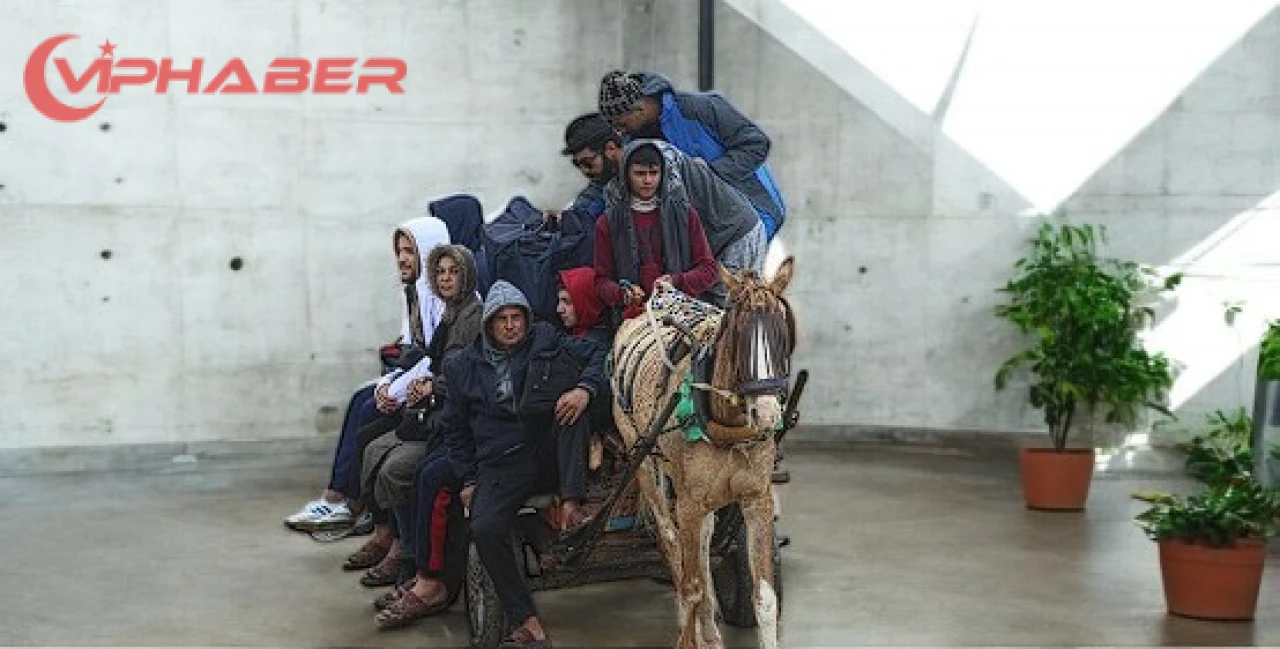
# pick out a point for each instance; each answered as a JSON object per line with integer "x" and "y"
{"x": 913, "y": 140}
{"x": 163, "y": 341}
{"x": 907, "y": 160}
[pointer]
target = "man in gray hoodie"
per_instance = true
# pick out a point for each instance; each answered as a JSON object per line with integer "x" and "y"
{"x": 501, "y": 452}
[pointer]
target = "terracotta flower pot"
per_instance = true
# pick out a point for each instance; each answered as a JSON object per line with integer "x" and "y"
{"x": 1212, "y": 583}
{"x": 1056, "y": 480}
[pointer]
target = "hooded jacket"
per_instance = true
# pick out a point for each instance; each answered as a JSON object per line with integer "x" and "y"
{"x": 458, "y": 329}
{"x": 479, "y": 427}
{"x": 725, "y": 212}
{"x": 686, "y": 254}
{"x": 705, "y": 125}
{"x": 588, "y": 310}
{"x": 460, "y": 325}
{"x": 464, "y": 216}
{"x": 426, "y": 233}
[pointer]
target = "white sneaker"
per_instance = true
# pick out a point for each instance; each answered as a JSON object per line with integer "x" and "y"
{"x": 320, "y": 515}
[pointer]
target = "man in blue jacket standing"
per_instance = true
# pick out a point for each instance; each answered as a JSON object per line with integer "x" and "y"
{"x": 703, "y": 125}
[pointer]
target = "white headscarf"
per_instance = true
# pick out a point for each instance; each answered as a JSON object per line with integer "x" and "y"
{"x": 427, "y": 232}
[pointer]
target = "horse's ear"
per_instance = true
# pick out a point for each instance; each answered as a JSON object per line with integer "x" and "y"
{"x": 783, "y": 277}
{"x": 730, "y": 281}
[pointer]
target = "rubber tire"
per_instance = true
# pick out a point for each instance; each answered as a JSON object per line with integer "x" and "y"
{"x": 733, "y": 584}
{"x": 485, "y": 618}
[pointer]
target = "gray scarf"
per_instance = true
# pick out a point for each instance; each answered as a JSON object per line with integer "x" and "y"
{"x": 673, "y": 219}
{"x": 500, "y": 360}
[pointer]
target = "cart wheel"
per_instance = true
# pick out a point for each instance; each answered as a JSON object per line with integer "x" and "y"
{"x": 733, "y": 583}
{"x": 484, "y": 611}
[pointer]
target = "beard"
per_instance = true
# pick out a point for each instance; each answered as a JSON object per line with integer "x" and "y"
{"x": 607, "y": 171}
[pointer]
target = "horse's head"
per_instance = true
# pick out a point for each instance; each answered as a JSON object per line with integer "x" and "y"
{"x": 758, "y": 338}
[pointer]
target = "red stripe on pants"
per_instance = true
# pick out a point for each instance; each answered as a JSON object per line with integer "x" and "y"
{"x": 439, "y": 527}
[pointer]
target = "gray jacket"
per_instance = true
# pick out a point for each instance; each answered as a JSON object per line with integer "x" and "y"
{"x": 746, "y": 147}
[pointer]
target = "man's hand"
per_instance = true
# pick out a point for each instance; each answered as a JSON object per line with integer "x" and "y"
{"x": 419, "y": 389}
{"x": 633, "y": 294}
{"x": 664, "y": 279}
{"x": 571, "y": 405}
{"x": 382, "y": 395}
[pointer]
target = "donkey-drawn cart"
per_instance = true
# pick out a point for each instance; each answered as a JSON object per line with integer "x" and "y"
{"x": 684, "y": 405}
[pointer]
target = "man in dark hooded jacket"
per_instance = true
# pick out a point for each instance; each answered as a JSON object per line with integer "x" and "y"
{"x": 502, "y": 455}
{"x": 703, "y": 125}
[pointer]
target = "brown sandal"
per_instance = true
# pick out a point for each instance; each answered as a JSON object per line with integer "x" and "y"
{"x": 368, "y": 556}
{"x": 385, "y": 600}
{"x": 522, "y": 638}
{"x": 408, "y": 609}
{"x": 376, "y": 577}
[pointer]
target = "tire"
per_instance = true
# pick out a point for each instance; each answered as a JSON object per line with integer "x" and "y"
{"x": 733, "y": 583}
{"x": 485, "y": 618}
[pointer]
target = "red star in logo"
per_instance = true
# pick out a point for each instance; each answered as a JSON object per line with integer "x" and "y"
{"x": 108, "y": 49}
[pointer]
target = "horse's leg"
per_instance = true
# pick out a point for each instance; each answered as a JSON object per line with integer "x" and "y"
{"x": 710, "y": 632}
{"x": 649, "y": 481}
{"x": 758, "y": 514}
{"x": 693, "y": 588}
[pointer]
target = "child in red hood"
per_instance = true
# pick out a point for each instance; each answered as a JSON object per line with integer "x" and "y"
{"x": 580, "y": 307}
{"x": 585, "y": 315}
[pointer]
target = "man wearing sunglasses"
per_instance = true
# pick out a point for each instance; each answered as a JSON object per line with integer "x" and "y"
{"x": 593, "y": 148}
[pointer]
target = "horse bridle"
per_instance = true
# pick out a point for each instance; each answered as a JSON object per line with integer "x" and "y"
{"x": 773, "y": 385}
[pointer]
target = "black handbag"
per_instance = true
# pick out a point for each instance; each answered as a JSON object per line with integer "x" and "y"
{"x": 423, "y": 422}
{"x": 550, "y": 375}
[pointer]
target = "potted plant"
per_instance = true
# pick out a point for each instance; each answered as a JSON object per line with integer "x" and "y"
{"x": 1266, "y": 407}
{"x": 1213, "y": 547}
{"x": 1222, "y": 453}
{"x": 1082, "y": 314}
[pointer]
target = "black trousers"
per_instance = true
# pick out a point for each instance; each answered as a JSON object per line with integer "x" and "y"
{"x": 503, "y": 485}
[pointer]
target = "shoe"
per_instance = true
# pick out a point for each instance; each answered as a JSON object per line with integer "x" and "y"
{"x": 320, "y": 515}
{"x": 363, "y": 527}
{"x": 364, "y": 524}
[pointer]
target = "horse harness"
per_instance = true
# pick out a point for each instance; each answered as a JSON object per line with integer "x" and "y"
{"x": 687, "y": 315}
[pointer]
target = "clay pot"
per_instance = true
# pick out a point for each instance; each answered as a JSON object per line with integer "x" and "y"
{"x": 1211, "y": 583}
{"x": 1056, "y": 480}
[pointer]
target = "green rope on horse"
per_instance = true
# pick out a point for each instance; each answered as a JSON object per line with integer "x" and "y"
{"x": 686, "y": 414}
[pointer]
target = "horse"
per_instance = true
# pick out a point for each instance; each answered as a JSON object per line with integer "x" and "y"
{"x": 739, "y": 359}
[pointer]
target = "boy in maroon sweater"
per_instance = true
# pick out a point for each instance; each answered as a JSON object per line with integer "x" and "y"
{"x": 650, "y": 235}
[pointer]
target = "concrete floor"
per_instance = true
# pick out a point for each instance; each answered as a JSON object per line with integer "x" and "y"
{"x": 889, "y": 547}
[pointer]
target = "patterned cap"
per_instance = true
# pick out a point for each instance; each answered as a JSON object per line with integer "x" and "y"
{"x": 619, "y": 91}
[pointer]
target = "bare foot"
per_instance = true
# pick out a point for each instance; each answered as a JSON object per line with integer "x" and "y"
{"x": 572, "y": 515}
{"x": 430, "y": 591}
{"x": 390, "y": 563}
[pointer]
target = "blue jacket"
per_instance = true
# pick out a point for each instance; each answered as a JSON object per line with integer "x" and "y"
{"x": 705, "y": 125}
{"x": 477, "y": 430}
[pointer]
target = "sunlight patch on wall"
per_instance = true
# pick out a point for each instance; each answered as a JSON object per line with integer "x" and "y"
{"x": 1047, "y": 91}
{"x": 912, "y": 45}
{"x": 1053, "y": 90}
{"x": 1236, "y": 265}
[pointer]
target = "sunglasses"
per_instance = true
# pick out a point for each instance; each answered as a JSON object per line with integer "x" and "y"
{"x": 585, "y": 162}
